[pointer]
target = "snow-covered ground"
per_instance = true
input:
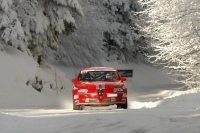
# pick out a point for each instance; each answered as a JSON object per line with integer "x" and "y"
{"x": 155, "y": 104}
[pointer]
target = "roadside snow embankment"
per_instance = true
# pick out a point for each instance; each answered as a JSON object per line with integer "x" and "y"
{"x": 17, "y": 74}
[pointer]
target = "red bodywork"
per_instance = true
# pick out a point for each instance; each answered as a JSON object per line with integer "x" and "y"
{"x": 99, "y": 92}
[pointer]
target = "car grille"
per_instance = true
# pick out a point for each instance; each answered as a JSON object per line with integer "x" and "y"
{"x": 90, "y": 100}
{"x": 112, "y": 99}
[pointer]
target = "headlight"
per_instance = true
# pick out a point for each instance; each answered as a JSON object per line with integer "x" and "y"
{"x": 117, "y": 89}
{"x": 83, "y": 91}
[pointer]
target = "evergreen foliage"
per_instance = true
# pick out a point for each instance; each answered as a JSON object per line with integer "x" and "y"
{"x": 124, "y": 43}
{"x": 105, "y": 32}
{"x": 31, "y": 25}
{"x": 11, "y": 32}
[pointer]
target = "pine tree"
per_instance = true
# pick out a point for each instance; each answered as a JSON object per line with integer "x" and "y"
{"x": 89, "y": 44}
{"x": 10, "y": 27}
{"x": 124, "y": 43}
{"x": 36, "y": 24}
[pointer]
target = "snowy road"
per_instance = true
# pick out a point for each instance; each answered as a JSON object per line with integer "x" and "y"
{"x": 96, "y": 121}
{"x": 147, "y": 89}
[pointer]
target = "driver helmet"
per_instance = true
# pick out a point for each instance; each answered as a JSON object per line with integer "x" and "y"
{"x": 108, "y": 76}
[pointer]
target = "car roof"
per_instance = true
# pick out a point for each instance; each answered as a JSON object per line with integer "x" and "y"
{"x": 99, "y": 68}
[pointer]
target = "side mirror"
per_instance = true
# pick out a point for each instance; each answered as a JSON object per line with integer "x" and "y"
{"x": 123, "y": 79}
{"x": 74, "y": 80}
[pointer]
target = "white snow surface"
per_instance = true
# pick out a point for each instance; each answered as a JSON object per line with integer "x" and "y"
{"x": 155, "y": 105}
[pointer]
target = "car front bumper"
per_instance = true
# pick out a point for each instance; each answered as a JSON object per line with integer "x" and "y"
{"x": 93, "y": 99}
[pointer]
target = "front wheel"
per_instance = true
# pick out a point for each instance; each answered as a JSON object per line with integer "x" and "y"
{"x": 77, "y": 107}
{"x": 123, "y": 106}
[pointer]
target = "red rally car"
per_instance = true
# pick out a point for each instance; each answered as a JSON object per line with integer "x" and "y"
{"x": 99, "y": 86}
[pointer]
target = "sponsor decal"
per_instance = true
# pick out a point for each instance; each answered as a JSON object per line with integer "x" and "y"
{"x": 124, "y": 95}
{"x": 84, "y": 72}
{"x": 117, "y": 90}
{"x": 83, "y": 91}
{"x": 76, "y": 101}
{"x": 76, "y": 96}
{"x": 75, "y": 88}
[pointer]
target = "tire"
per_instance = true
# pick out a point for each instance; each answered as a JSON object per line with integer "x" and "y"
{"x": 77, "y": 107}
{"x": 123, "y": 106}
{"x": 119, "y": 106}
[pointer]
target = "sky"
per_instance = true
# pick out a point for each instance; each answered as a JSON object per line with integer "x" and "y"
{"x": 156, "y": 105}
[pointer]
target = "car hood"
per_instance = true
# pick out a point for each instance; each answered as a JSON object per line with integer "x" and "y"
{"x": 99, "y": 84}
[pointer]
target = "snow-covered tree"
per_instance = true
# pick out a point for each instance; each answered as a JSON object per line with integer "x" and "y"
{"x": 37, "y": 24}
{"x": 175, "y": 32}
{"x": 124, "y": 43}
{"x": 11, "y": 32}
{"x": 32, "y": 25}
{"x": 82, "y": 48}
{"x": 104, "y": 32}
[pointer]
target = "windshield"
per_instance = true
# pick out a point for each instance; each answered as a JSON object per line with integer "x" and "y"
{"x": 98, "y": 75}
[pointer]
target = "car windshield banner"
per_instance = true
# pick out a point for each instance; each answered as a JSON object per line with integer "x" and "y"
{"x": 126, "y": 73}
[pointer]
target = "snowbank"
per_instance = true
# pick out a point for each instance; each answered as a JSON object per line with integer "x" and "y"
{"x": 18, "y": 71}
